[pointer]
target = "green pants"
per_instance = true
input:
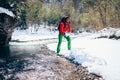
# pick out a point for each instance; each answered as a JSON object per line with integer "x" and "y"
{"x": 60, "y": 36}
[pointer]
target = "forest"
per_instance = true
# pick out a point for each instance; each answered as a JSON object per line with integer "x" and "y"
{"x": 86, "y": 15}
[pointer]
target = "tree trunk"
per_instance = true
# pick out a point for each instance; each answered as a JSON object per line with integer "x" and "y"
{"x": 7, "y": 25}
{"x": 76, "y": 4}
{"x": 118, "y": 15}
{"x": 101, "y": 16}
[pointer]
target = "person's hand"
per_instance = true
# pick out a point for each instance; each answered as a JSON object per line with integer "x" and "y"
{"x": 67, "y": 34}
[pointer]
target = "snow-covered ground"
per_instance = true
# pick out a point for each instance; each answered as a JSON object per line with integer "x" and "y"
{"x": 30, "y": 34}
{"x": 101, "y": 56}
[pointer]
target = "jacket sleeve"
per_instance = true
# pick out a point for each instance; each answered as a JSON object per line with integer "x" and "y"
{"x": 62, "y": 28}
{"x": 70, "y": 28}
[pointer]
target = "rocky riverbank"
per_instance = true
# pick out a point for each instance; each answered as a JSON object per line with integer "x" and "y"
{"x": 44, "y": 65}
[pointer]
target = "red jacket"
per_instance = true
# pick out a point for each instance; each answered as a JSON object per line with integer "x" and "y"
{"x": 64, "y": 29}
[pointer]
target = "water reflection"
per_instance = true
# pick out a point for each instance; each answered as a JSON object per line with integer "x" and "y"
{"x": 19, "y": 51}
{"x": 4, "y": 52}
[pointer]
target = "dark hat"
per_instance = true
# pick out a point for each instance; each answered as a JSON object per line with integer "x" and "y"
{"x": 67, "y": 17}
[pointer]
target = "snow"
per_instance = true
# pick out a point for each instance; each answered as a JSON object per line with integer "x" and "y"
{"x": 109, "y": 32}
{"x": 101, "y": 56}
{"x": 31, "y": 35}
{"x": 38, "y": 32}
{"x": 6, "y": 11}
{"x": 117, "y": 33}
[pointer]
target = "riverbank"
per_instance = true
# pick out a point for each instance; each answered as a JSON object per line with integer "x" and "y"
{"x": 43, "y": 65}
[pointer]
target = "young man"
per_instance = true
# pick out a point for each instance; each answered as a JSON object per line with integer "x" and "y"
{"x": 65, "y": 28}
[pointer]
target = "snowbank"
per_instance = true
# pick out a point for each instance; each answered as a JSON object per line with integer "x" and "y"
{"x": 31, "y": 34}
{"x": 6, "y": 11}
{"x": 100, "y": 56}
{"x": 112, "y": 33}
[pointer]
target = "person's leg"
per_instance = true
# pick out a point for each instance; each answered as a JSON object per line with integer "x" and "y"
{"x": 60, "y": 36}
{"x": 69, "y": 42}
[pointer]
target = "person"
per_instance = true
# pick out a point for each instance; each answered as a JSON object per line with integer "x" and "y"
{"x": 65, "y": 29}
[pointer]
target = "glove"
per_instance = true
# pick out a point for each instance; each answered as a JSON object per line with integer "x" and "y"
{"x": 67, "y": 34}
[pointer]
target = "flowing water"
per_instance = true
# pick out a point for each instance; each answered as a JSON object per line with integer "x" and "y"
{"x": 7, "y": 52}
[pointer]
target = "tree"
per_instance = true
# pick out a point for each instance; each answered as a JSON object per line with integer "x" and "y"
{"x": 7, "y": 22}
{"x": 105, "y": 12}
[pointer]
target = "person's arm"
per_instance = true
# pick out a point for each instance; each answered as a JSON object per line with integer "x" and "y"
{"x": 70, "y": 29}
{"x": 62, "y": 29}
